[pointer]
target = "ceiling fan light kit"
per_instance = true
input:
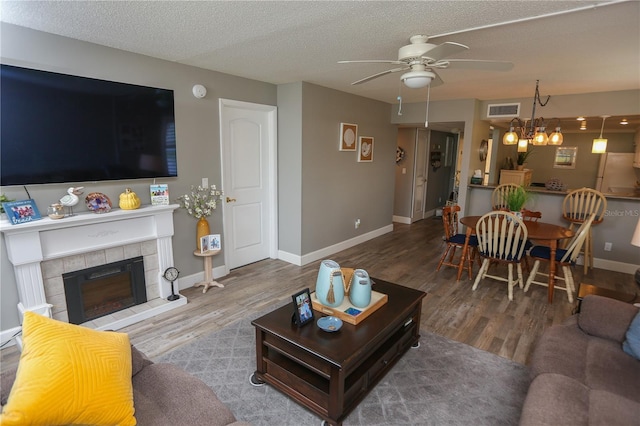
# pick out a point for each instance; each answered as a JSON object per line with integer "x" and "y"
{"x": 417, "y": 79}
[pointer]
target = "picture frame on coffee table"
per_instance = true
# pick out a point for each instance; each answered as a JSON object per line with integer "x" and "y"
{"x": 302, "y": 308}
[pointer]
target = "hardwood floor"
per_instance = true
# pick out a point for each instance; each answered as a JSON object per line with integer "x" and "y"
{"x": 484, "y": 318}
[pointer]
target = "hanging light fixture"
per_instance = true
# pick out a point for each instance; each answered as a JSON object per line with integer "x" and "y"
{"x": 600, "y": 144}
{"x": 532, "y": 130}
{"x": 523, "y": 144}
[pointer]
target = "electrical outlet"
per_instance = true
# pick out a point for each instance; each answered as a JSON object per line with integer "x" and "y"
{"x": 205, "y": 182}
{"x": 608, "y": 246}
{"x": 357, "y": 223}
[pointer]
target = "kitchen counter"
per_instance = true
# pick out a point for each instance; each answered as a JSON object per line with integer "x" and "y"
{"x": 630, "y": 195}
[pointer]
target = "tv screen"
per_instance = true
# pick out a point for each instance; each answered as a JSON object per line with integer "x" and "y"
{"x": 62, "y": 128}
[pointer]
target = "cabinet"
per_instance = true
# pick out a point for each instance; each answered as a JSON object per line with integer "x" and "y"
{"x": 519, "y": 177}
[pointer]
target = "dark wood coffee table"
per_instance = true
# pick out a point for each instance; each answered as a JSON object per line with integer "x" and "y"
{"x": 330, "y": 373}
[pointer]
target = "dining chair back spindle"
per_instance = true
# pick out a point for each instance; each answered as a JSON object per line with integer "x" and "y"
{"x": 576, "y": 208}
{"x": 501, "y": 238}
{"x": 499, "y": 195}
{"x": 564, "y": 258}
{"x": 455, "y": 240}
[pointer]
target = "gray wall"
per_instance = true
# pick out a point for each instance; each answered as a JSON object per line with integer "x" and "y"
{"x": 197, "y": 130}
{"x": 336, "y": 188}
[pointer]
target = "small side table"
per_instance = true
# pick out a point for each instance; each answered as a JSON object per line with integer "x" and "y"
{"x": 208, "y": 266}
{"x": 587, "y": 289}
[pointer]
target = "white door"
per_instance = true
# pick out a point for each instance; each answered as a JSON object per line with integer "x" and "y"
{"x": 420, "y": 173}
{"x": 248, "y": 152}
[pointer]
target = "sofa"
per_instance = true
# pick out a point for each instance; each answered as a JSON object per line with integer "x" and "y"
{"x": 580, "y": 373}
{"x": 163, "y": 395}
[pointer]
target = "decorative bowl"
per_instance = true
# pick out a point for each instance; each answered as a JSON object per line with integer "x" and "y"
{"x": 330, "y": 324}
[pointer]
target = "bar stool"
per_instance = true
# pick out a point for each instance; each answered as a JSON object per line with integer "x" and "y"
{"x": 576, "y": 208}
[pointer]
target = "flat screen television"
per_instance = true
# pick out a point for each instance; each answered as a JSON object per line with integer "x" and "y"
{"x": 63, "y": 128}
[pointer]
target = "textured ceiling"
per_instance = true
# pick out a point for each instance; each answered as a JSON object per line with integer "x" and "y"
{"x": 594, "y": 47}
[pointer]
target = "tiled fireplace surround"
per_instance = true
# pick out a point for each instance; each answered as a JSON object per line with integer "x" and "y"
{"x": 41, "y": 251}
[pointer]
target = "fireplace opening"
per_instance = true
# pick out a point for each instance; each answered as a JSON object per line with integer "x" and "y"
{"x": 101, "y": 290}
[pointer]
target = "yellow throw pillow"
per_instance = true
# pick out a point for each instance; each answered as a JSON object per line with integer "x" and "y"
{"x": 70, "y": 374}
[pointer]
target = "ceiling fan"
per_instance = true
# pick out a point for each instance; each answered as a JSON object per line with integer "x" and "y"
{"x": 422, "y": 58}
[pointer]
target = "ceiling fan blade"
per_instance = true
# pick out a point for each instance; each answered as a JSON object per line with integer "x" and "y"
{"x": 373, "y": 61}
{"x": 444, "y": 50}
{"x": 475, "y": 64}
{"x": 436, "y": 81}
{"x": 371, "y": 77}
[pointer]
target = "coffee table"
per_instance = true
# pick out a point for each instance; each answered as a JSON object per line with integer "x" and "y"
{"x": 330, "y": 373}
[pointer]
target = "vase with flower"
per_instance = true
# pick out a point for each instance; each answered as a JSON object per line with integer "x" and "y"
{"x": 200, "y": 203}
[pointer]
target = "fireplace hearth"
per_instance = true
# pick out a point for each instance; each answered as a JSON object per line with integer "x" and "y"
{"x": 101, "y": 290}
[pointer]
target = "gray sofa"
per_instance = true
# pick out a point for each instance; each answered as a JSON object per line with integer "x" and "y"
{"x": 580, "y": 374}
{"x": 163, "y": 395}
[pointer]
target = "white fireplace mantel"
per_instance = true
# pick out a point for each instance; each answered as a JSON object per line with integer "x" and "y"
{"x": 29, "y": 244}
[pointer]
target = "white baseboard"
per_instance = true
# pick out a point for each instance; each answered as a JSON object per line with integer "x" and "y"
{"x": 328, "y": 251}
{"x": 612, "y": 265}
{"x": 401, "y": 219}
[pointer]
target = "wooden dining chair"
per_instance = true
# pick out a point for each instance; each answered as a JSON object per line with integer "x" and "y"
{"x": 577, "y": 206}
{"x": 531, "y": 216}
{"x": 565, "y": 258}
{"x": 499, "y": 195}
{"x": 501, "y": 238}
{"x": 455, "y": 240}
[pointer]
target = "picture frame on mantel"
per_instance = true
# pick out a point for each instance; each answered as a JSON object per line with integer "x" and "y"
{"x": 21, "y": 211}
{"x": 365, "y": 149}
{"x": 348, "y": 136}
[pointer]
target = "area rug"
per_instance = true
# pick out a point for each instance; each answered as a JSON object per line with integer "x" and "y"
{"x": 442, "y": 382}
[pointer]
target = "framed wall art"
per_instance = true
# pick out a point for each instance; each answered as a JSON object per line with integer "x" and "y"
{"x": 348, "y": 136}
{"x": 565, "y": 157}
{"x": 365, "y": 149}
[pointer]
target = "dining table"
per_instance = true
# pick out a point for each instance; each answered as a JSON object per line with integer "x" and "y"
{"x": 548, "y": 233}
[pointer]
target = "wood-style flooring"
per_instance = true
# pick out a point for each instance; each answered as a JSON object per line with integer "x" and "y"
{"x": 484, "y": 318}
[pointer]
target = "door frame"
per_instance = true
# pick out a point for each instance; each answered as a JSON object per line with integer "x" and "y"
{"x": 272, "y": 185}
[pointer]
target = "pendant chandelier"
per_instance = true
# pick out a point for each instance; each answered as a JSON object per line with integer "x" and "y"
{"x": 600, "y": 144}
{"x": 532, "y": 131}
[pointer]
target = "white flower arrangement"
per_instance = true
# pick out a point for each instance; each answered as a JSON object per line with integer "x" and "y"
{"x": 201, "y": 201}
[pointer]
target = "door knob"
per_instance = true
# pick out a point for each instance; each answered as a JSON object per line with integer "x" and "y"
{"x": 231, "y": 200}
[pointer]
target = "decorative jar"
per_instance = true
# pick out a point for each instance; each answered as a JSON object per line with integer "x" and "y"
{"x": 330, "y": 284}
{"x": 360, "y": 291}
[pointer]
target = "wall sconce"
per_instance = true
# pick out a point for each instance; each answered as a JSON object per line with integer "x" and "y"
{"x": 199, "y": 91}
{"x": 600, "y": 144}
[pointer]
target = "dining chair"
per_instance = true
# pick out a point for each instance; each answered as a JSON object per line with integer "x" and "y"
{"x": 455, "y": 240}
{"x": 499, "y": 195}
{"x": 565, "y": 258}
{"x": 532, "y": 216}
{"x": 501, "y": 238}
{"x": 576, "y": 208}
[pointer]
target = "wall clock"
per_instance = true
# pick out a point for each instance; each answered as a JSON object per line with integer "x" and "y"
{"x": 484, "y": 149}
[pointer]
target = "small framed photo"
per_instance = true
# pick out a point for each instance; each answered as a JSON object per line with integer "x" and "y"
{"x": 21, "y": 211}
{"x": 303, "y": 309}
{"x": 365, "y": 151}
{"x": 348, "y": 136}
{"x": 210, "y": 242}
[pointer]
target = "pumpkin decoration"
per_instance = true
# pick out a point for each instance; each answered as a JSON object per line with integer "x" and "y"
{"x": 129, "y": 200}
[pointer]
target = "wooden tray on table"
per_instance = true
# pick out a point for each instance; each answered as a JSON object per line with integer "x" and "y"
{"x": 349, "y": 313}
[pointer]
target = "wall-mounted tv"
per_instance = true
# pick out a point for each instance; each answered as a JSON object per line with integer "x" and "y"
{"x": 63, "y": 128}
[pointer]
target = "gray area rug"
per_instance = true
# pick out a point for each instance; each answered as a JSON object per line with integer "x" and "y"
{"x": 442, "y": 382}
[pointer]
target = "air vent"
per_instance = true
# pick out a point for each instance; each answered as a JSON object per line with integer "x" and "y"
{"x": 503, "y": 110}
